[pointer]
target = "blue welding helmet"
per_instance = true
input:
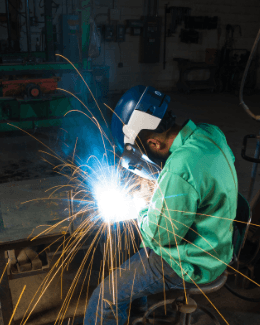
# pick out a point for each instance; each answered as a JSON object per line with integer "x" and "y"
{"x": 140, "y": 108}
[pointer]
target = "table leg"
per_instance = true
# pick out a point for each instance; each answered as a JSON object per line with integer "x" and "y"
{"x": 5, "y": 293}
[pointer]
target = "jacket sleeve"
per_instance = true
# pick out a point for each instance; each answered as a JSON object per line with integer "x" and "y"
{"x": 171, "y": 212}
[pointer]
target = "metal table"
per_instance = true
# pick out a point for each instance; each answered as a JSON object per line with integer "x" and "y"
{"x": 19, "y": 223}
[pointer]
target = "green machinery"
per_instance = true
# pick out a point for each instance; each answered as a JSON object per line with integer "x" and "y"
{"x": 24, "y": 102}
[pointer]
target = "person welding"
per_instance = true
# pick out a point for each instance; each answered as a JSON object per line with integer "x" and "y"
{"x": 188, "y": 227}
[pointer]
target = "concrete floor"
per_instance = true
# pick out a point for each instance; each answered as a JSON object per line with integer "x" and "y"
{"x": 20, "y": 160}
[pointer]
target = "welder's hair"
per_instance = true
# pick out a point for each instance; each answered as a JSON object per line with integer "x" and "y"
{"x": 167, "y": 123}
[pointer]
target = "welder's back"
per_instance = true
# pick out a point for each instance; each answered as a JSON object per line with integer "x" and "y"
{"x": 190, "y": 220}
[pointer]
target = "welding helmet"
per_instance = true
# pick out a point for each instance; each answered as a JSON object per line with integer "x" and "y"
{"x": 140, "y": 108}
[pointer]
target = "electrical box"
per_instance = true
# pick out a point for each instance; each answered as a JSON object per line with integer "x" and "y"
{"x": 109, "y": 33}
{"x": 136, "y": 26}
{"x": 151, "y": 40}
{"x": 136, "y": 31}
{"x": 115, "y": 14}
{"x": 120, "y": 37}
{"x": 69, "y": 40}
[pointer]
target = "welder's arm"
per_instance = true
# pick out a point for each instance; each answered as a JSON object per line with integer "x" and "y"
{"x": 171, "y": 212}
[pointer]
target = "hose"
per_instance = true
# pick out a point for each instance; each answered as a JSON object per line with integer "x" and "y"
{"x": 240, "y": 296}
{"x": 256, "y": 117}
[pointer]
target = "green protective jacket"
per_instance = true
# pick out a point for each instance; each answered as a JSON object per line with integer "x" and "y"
{"x": 189, "y": 221}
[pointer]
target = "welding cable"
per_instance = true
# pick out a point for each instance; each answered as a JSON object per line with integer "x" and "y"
{"x": 246, "y": 108}
{"x": 240, "y": 296}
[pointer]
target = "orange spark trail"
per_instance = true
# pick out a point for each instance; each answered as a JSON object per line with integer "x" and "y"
{"x": 4, "y": 270}
{"x": 131, "y": 298}
{"x": 210, "y": 255}
{"x": 85, "y": 84}
{"x": 16, "y": 305}
{"x": 198, "y": 287}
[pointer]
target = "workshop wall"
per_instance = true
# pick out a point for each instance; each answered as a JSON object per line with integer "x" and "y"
{"x": 130, "y": 71}
{"x": 18, "y": 7}
{"x": 3, "y": 28}
{"x": 234, "y": 12}
{"x": 38, "y": 25}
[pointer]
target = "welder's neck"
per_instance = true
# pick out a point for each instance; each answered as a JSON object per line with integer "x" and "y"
{"x": 172, "y": 134}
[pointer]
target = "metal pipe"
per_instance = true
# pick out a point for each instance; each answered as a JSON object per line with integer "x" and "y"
{"x": 246, "y": 108}
{"x": 255, "y": 117}
{"x": 254, "y": 171}
{"x": 8, "y": 24}
{"x": 28, "y": 26}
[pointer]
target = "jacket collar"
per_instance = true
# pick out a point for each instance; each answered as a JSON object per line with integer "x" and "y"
{"x": 187, "y": 129}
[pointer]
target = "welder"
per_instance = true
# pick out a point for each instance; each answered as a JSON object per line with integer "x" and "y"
{"x": 187, "y": 228}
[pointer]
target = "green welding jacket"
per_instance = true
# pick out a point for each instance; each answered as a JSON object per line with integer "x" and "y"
{"x": 189, "y": 219}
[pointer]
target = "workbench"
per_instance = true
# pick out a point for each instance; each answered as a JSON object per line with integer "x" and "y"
{"x": 20, "y": 222}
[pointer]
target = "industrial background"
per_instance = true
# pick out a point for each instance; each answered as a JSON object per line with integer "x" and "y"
{"x": 195, "y": 51}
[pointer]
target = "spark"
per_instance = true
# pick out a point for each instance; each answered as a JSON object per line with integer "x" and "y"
{"x": 62, "y": 270}
{"x": 111, "y": 255}
{"x": 4, "y": 270}
{"x": 103, "y": 181}
{"x": 113, "y": 196}
{"x": 195, "y": 285}
{"x": 85, "y": 84}
{"x": 131, "y": 298}
{"x": 16, "y": 305}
